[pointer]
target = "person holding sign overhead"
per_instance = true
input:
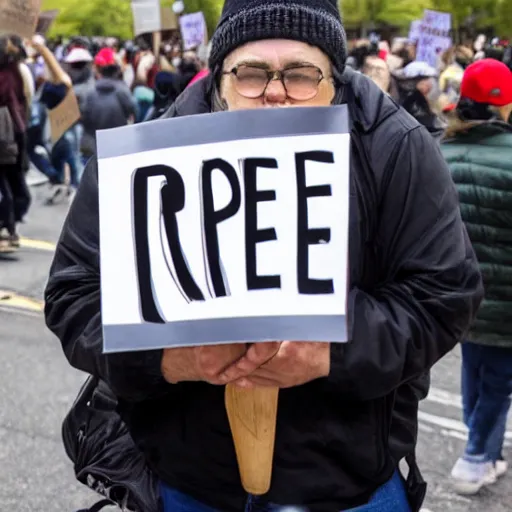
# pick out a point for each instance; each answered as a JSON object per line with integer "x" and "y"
{"x": 414, "y": 284}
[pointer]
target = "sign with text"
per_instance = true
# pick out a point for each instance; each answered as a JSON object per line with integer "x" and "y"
{"x": 193, "y": 30}
{"x": 233, "y": 229}
{"x": 146, "y": 16}
{"x": 434, "y": 36}
{"x": 64, "y": 116}
{"x": 19, "y": 17}
{"x": 415, "y": 31}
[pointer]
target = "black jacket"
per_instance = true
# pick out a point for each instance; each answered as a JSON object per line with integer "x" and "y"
{"x": 109, "y": 105}
{"x": 415, "y": 287}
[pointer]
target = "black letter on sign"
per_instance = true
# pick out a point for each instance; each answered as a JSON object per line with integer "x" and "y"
{"x": 252, "y": 235}
{"x": 212, "y": 218}
{"x": 306, "y": 236}
{"x": 173, "y": 200}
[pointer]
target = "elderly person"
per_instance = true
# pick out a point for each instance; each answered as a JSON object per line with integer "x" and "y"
{"x": 414, "y": 289}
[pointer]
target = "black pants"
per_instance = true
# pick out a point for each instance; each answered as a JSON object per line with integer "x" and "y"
{"x": 14, "y": 193}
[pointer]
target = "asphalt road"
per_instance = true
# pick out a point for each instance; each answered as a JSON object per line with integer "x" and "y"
{"x": 38, "y": 387}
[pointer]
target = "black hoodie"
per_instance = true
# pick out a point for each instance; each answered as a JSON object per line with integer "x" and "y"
{"x": 414, "y": 290}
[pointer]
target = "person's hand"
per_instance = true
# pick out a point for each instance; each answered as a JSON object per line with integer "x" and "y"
{"x": 38, "y": 41}
{"x": 203, "y": 363}
{"x": 296, "y": 363}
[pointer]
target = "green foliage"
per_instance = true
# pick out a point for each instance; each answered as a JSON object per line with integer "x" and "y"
{"x": 92, "y": 18}
{"x": 114, "y": 17}
{"x": 374, "y": 12}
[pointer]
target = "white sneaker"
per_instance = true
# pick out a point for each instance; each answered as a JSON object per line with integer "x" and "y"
{"x": 469, "y": 477}
{"x": 500, "y": 468}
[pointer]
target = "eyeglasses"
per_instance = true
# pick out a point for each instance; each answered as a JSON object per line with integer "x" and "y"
{"x": 300, "y": 83}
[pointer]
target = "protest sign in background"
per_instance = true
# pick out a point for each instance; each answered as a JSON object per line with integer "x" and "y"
{"x": 149, "y": 17}
{"x": 434, "y": 36}
{"x": 64, "y": 116}
{"x": 19, "y": 17}
{"x": 238, "y": 232}
{"x": 45, "y": 21}
{"x": 414, "y": 31}
{"x": 146, "y": 16}
{"x": 193, "y": 30}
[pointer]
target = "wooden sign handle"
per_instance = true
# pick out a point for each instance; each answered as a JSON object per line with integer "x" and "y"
{"x": 252, "y": 417}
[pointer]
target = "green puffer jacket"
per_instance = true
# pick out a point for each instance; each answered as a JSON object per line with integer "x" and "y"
{"x": 480, "y": 161}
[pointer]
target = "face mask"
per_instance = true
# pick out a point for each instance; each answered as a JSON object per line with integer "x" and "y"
{"x": 176, "y": 61}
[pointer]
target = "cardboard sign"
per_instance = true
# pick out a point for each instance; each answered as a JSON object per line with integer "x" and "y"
{"x": 193, "y": 30}
{"x": 64, "y": 116}
{"x": 19, "y": 17}
{"x": 45, "y": 21}
{"x": 434, "y": 36}
{"x": 168, "y": 20}
{"x": 233, "y": 229}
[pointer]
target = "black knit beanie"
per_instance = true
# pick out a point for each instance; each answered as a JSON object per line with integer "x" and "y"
{"x": 316, "y": 22}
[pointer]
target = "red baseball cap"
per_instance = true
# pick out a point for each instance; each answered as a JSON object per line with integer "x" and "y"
{"x": 105, "y": 57}
{"x": 487, "y": 81}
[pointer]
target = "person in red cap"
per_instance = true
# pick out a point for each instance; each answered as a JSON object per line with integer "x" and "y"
{"x": 478, "y": 150}
{"x": 105, "y": 57}
{"x": 109, "y": 104}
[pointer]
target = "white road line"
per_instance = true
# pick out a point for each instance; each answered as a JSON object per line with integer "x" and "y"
{"x": 451, "y": 427}
{"x": 442, "y": 397}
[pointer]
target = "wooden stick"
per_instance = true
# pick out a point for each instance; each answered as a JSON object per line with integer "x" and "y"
{"x": 252, "y": 417}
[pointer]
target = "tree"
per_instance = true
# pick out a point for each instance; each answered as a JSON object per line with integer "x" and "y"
{"x": 114, "y": 17}
{"x": 479, "y": 14}
{"x": 370, "y": 13}
{"x": 92, "y": 18}
{"x": 503, "y": 18}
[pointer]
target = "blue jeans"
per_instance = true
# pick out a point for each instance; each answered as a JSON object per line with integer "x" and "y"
{"x": 64, "y": 152}
{"x": 391, "y": 497}
{"x": 35, "y": 138}
{"x": 486, "y": 392}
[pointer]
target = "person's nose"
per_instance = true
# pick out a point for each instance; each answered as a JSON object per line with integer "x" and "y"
{"x": 275, "y": 92}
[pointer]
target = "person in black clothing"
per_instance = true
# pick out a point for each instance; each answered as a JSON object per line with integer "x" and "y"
{"x": 347, "y": 412}
{"x": 15, "y": 197}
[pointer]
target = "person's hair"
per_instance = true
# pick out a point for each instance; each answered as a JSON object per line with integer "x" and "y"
{"x": 111, "y": 71}
{"x": 468, "y": 114}
{"x": 360, "y": 53}
{"x": 469, "y": 110}
{"x": 404, "y": 54}
{"x": 10, "y": 53}
{"x": 494, "y": 53}
{"x": 79, "y": 65}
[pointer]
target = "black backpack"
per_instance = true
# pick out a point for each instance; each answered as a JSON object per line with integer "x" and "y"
{"x": 104, "y": 454}
{"x": 8, "y": 145}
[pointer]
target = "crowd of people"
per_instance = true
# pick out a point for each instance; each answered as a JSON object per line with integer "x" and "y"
{"x": 465, "y": 102}
{"x": 432, "y": 294}
{"x": 114, "y": 85}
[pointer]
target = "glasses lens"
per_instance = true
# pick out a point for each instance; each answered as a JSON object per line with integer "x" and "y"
{"x": 302, "y": 83}
{"x": 251, "y": 81}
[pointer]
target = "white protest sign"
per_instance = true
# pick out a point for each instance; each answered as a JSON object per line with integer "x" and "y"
{"x": 146, "y": 16}
{"x": 239, "y": 232}
{"x": 434, "y": 36}
{"x": 415, "y": 31}
{"x": 193, "y": 30}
